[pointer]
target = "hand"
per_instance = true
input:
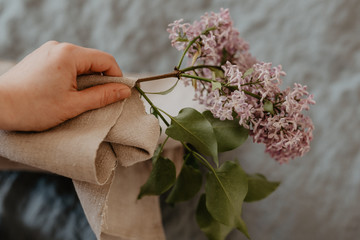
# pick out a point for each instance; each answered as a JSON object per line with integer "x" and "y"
{"x": 41, "y": 92}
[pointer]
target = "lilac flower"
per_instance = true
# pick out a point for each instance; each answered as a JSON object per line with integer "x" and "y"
{"x": 250, "y": 90}
{"x": 219, "y": 45}
{"x": 284, "y": 130}
{"x": 177, "y": 34}
{"x": 233, "y": 74}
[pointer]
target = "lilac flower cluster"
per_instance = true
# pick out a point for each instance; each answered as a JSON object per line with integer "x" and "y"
{"x": 249, "y": 90}
{"x": 215, "y": 47}
{"x": 274, "y": 117}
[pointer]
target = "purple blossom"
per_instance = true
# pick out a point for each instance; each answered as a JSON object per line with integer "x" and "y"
{"x": 250, "y": 89}
{"x": 221, "y": 44}
{"x": 286, "y": 132}
{"x": 177, "y": 35}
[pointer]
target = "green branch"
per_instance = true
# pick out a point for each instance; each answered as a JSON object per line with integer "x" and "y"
{"x": 201, "y": 159}
{"x": 199, "y": 67}
{"x": 206, "y": 31}
{"x": 152, "y": 105}
{"x": 197, "y": 77}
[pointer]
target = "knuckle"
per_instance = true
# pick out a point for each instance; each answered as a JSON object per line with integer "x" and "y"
{"x": 65, "y": 48}
{"x": 51, "y": 43}
{"x": 60, "y": 52}
{"x": 111, "y": 57}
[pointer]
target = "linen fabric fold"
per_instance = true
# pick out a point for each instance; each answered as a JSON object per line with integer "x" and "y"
{"x": 104, "y": 151}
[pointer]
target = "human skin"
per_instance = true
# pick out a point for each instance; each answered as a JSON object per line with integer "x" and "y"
{"x": 41, "y": 92}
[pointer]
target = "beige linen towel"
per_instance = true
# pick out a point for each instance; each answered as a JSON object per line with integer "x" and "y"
{"x": 104, "y": 152}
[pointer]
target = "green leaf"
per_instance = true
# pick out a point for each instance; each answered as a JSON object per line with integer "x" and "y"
{"x": 218, "y": 72}
{"x": 212, "y": 228}
{"x": 215, "y": 85}
{"x": 225, "y": 190}
{"x": 162, "y": 177}
{"x": 192, "y": 127}
{"x": 166, "y": 91}
{"x": 187, "y": 185}
{"x": 229, "y": 134}
{"x": 259, "y": 187}
{"x": 248, "y": 72}
{"x": 269, "y": 107}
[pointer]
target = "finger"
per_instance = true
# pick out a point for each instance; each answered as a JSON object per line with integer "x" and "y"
{"x": 94, "y": 61}
{"x": 100, "y": 96}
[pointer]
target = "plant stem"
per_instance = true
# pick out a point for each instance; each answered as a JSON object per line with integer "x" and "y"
{"x": 199, "y": 66}
{"x": 251, "y": 94}
{"x": 250, "y": 83}
{"x": 185, "y": 51}
{"x": 163, "y": 144}
{"x": 200, "y": 158}
{"x": 191, "y": 43}
{"x": 157, "y": 110}
{"x": 196, "y": 154}
{"x": 175, "y": 73}
{"x": 196, "y": 77}
{"x": 223, "y": 84}
{"x": 152, "y": 105}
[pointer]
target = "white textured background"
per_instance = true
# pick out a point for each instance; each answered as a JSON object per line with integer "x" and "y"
{"x": 318, "y": 44}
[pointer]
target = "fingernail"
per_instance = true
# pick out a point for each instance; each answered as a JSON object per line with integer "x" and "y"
{"x": 123, "y": 93}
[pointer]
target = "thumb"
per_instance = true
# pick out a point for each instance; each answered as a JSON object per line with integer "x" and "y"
{"x": 101, "y": 95}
